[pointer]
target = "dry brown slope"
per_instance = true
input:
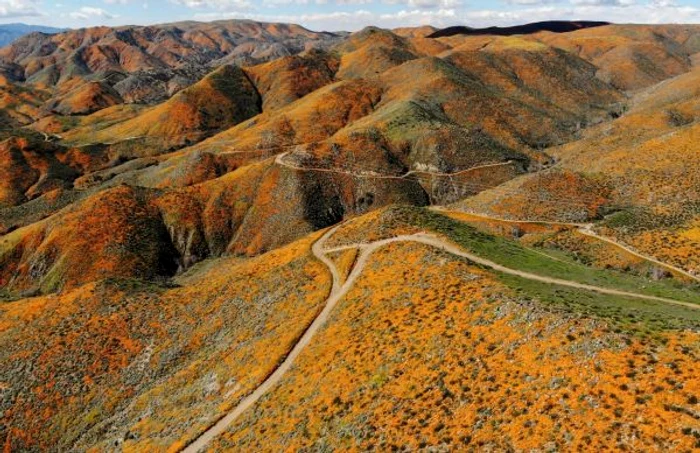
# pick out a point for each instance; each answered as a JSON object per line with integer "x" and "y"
{"x": 287, "y": 79}
{"x": 86, "y": 98}
{"x": 633, "y": 57}
{"x": 222, "y": 99}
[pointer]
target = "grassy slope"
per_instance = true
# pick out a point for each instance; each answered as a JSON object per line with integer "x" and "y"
{"x": 511, "y": 254}
{"x": 633, "y": 314}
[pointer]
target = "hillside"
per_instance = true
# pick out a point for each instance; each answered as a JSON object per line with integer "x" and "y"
{"x": 222, "y": 99}
{"x": 633, "y": 58}
{"x": 240, "y": 236}
{"x": 435, "y": 366}
{"x": 329, "y": 142}
{"x": 641, "y": 170}
{"x": 287, "y": 79}
{"x": 489, "y": 327}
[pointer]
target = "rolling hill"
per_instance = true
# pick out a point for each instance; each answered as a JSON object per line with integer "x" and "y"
{"x": 507, "y": 334}
{"x": 240, "y": 236}
{"x": 150, "y": 64}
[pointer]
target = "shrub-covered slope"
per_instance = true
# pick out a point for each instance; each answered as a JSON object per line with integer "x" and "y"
{"x": 130, "y": 364}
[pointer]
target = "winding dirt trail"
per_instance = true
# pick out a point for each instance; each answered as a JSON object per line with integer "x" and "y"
{"x": 453, "y": 249}
{"x": 583, "y": 228}
{"x": 338, "y": 291}
{"x": 587, "y": 230}
{"x": 335, "y": 295}
{"x": 279, "y": 160}
{"x": 123, "y": 140}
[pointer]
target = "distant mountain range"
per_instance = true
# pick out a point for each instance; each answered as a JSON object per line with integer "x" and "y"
{"x": 527, "y": 29}
{"x": 10, "y": 32}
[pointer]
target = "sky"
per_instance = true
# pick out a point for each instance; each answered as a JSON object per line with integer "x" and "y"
{"x": 350, "y": 15}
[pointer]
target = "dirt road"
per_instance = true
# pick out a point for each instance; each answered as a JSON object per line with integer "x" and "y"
{"x": 279, "y": 160}
{"x": 587, "y": 230}
{"x": 338, "y": 291}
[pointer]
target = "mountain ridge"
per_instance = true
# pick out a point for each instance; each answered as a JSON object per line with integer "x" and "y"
{"x": 14, "y": 31}
{"x": 527, "y": 29}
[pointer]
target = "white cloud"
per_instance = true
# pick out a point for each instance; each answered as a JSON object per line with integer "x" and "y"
{"x": 353, "y": 15}
{"x": 216, "y": 4}
{"x": 532, "y": 2}
{"x": 341, "y": 2}
{"x": 426, "y": 4}
{"x": 623, "y": 11}
{"x": 313, "y": 2}
{"x": 340, "y": 19}
{"x": 350, "y": 21}
{"x": 19, "y": 8}
{"x": 440, "y": 18}
{"x": 653, "y": 12}
{"x": 621, "y": 3}
{"x": 90, "y": 12}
